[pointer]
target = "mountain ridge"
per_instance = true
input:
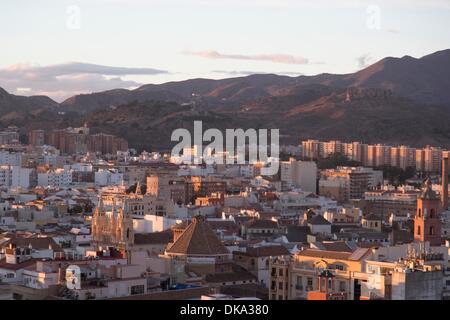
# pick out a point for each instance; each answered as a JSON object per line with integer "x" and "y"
{"x": 383, "y": 103}
{"x": 424, "y": 80}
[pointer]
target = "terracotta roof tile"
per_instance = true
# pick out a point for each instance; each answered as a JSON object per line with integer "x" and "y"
{"x": 325, "y": 254}
{"x": 163, "y": 237}
{"x": 262, "y": 223}
{"x": 266, "y": 251}
{"x": 198, "y": 239}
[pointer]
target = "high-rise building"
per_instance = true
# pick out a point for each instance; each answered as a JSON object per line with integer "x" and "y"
{"x": 407, "y": 157}
{"x": 395, "y": 157}
{"x": 432, "y": 159}
{"x": 36, "y": 137}
{"x": 371, "y": 154}
{"x": 106, "y": 143}
{"x": 420, "y": 160}
{"x": 444, "y": 192}
{"x": 310, "y": 149}
{"x": 9, "y": 136}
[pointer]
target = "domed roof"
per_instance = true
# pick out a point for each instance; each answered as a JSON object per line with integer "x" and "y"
{"x": 198, "y": 239}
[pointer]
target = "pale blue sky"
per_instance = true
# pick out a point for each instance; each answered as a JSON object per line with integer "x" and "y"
{"x": 181, "y": 37}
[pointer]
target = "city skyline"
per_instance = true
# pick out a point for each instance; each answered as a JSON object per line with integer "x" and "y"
{"x": 238, "y": 151}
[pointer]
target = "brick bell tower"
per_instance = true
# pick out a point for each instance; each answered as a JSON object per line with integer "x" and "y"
{"x": 427, "y": 222}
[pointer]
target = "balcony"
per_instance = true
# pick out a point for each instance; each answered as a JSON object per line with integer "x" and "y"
{"x": 447, "y": 271}
{"x": 299, "y": 287}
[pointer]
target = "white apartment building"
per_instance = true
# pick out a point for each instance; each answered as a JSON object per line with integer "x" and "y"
{"x": 79, "y": 167}
{"x": 5, "y": 175}
{"x": 426, "y": 159}
{"x": 108, "y": 177}
{"x": 57, "y": 178}
{"x": 23, "y": 177}
{"x": 301, "y": 174}
{"x": 10, "y": 158}
{"x": 15, "y": 176}
{"x": 296, "y": 203}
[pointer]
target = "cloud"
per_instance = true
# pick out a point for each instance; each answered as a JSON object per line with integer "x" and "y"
{"x": 364, "y": 60}
{"x": 246, "y": 73}
{"x": 276, "y": 58}
{"x": 61, "y": 81}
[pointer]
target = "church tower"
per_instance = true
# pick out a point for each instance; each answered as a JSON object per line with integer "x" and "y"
{"x": 113, "y": 227}
{"x": 444, "y": 192}
{"x": 427, "y": 223}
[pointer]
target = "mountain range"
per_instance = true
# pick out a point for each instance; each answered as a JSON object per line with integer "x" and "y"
{"x": 396, "y": 100}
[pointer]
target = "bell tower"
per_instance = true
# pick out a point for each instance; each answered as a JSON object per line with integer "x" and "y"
{"x": 427, "y": 222}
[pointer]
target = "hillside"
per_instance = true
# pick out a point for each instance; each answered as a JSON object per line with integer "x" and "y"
{"x": 396, "y": 100}
{"x": 12, "y": 106}
{"x": 424, "y": 80}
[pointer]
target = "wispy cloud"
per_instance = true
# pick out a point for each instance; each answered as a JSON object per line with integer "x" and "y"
{"x": 246, "y": 73}
{"x": 60, "y": 81}
{"x": 276, "y": 58}
{"x": 364, "y": 60}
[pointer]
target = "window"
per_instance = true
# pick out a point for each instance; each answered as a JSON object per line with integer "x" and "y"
{"x": 273, "y": 286}
{"x": 309, "y": 282}
{"x": 137, "y": 289}
{"x": 420, "y": 212}
{"x": 280, "y": 272}
{"x": 418, "y": 230}
{"x": 432, "y": 213}
{"x": 280, "y": 285}
{"x": 341, "y": 286}
{"x": 338, "y": 266}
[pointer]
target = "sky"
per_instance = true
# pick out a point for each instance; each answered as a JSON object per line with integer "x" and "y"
{"x": 61, "y": 48}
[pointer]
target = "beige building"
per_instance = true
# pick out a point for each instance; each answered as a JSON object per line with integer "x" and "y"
{"x": 347, "y": 183}
{"x": 293, "y": 278}
{"x": 302, "y": 174}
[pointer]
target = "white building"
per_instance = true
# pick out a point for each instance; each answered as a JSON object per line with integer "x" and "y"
{"x": 15, "y": 176}
{"x": 57, "y": 178}
{"x": 153, "y": 223}
{"x": 5, "y": 175}
{"x": 23, "y": 177}
{"x": 302, "y": 174}
{"x": 79, "y": 167}
{"x": 10, "y": 158}
{"x": 108, "y": 177}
